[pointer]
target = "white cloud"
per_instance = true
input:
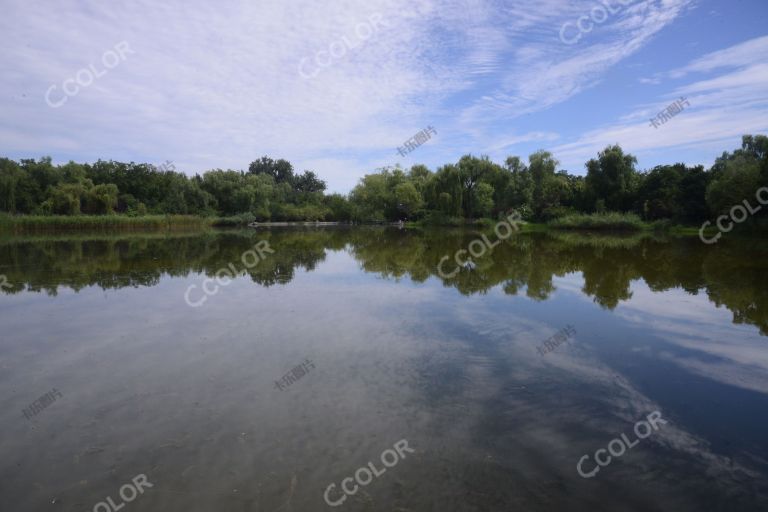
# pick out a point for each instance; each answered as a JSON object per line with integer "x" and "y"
{"x": 722, "y": 109}
{"x": 548, "y": 71}
{"x": 747, "y": 53}
{"x": 217, "y": 86}
{"x": 705, "y": 333}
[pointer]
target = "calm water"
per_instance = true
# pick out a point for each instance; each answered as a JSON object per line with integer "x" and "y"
{"x": 188, "y": 397}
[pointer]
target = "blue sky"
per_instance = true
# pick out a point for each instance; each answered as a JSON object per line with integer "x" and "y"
{"x": 216, "y": 85}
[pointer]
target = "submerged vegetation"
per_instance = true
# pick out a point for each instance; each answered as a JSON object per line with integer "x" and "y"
{"x": 612, "y": 195}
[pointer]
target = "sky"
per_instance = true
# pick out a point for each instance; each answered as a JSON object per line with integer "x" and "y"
{"x": 337, "y": 86}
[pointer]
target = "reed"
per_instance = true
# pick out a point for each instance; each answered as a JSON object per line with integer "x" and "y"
{"x": 611, "y": 221}
{"x": 35, "y": 224}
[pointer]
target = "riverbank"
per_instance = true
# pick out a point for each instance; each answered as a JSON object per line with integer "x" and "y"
{"x": 611, "y": 222}
{"x": 42, "y": 224}
{"x": 116, "y": 224}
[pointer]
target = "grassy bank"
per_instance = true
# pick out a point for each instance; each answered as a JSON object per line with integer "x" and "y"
{"x": 436, "y": 219}
{"x": 584, "y": 222}
{"x": 11, "y": 225}
{"x": 34, "y": 224}
{"x": 600, "y": 222}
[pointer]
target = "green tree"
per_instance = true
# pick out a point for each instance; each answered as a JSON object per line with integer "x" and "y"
{"x": 280, "y": 170}
{"x": 483, "y": 199}
{"x": 658, "y": 193}
{"x": 612, "y": 178}
{"x": 542, "y": 167}
{"x": 370, "y": 197}
{"x": 407, "y": 198}
{"x": 519, "y": 190}
{"x": 471, "y": 171}
{"x": 99, "y": 199}
{"x": 739, "y": 180}
{"x": 339, "y": 207}
{"x": 674, "y": 192}
{"x": 65, "y": 199}
{"x": 443, "y": 191}
{"x": 308, "y": 182}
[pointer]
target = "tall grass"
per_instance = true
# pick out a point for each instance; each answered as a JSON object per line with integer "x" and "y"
{"x": 435, "y": 218}
{"x": 234, "y": 221}
{"x": 600, "y": 222}
{"x": 34, "y": 224}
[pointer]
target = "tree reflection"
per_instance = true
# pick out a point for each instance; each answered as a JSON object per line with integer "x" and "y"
{"x": 732, "y": 274}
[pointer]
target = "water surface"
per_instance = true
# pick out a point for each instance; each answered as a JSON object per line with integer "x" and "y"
{"x": 188, "y": 395}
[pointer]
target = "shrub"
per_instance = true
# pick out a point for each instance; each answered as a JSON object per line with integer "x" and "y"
{"x": 600, "y": 221}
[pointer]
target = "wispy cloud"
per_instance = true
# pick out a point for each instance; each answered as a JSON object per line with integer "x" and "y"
{"x": 219, "y": 85}
{"x": 545, "y": 71}
{"x": 745, "y": 54}
{"x": 723, "y": 108}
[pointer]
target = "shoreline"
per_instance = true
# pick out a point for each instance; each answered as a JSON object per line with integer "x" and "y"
{"x": 13, "y": 225}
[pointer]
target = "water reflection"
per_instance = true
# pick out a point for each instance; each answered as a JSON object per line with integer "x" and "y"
{"x": 733, "y": 274}
{"x": 187, "y": 396}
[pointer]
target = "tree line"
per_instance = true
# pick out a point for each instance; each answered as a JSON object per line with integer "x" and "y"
{"x": 270, "y": 189}
{"x": 474, "y": 187}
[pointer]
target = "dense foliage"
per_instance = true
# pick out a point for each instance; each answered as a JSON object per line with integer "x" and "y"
{"x": 477, "y": 187}
{"x": 474, "y": 187}
{"x": 268, "y": 190}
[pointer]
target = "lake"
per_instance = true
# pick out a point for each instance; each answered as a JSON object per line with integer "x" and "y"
{"x": 339, "y": 369}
